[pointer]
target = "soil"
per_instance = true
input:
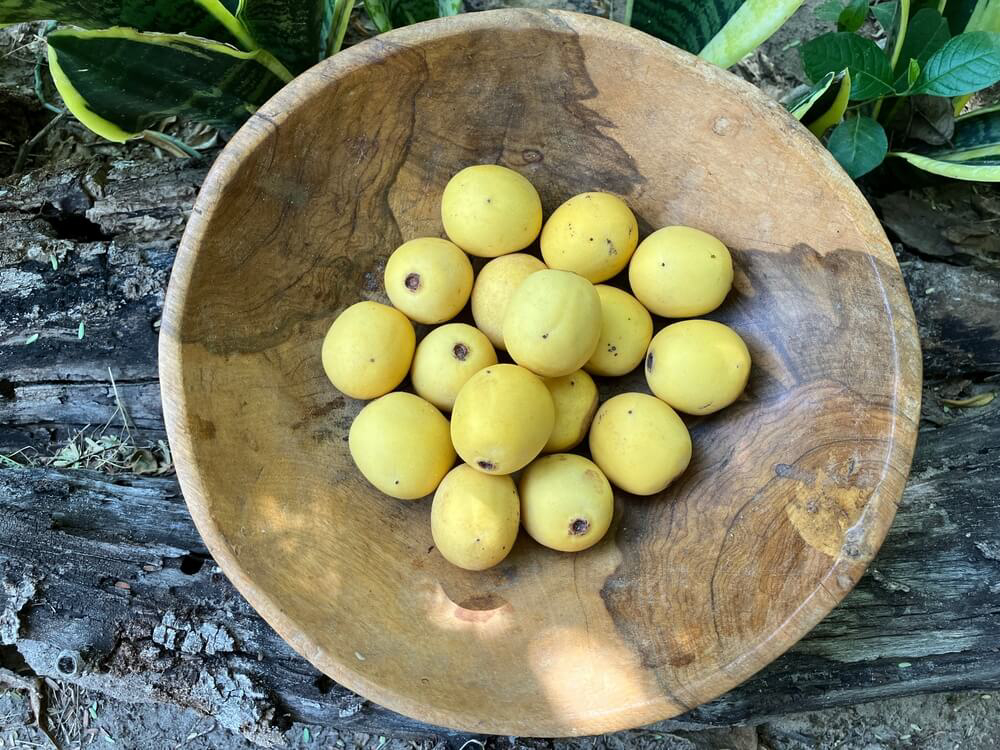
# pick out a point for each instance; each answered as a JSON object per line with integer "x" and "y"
{"x": 75, "y": 718}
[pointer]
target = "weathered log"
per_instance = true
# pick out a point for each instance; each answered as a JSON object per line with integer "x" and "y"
{"x": 107, "y": 584}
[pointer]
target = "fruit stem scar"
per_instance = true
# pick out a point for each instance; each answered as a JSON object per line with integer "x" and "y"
{"x": 649, "y": 362}
{"x": 486, "y": 465}
{"x": 412, "y": 281}
{"x": 579, "y": 526}
{"x": 460, "y": 352}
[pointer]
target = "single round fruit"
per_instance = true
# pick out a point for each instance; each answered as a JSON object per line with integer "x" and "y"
{"x": 446, "y": 358}
{"x": 575, "y": 398}
{"x": 429, "y": 279}
{"x": 640, "y": 443}
{"x": 697, "y": 366}
{"x": 494, "y": 287}
{"x": 489, "y": 210}
{"x": 680, "y": 272}
{"x": 592, "y": 234}
{"x": 566, "y": 502}
{"x": 368, "y": 350}
{"x": 626, "y": 329}
{"x": 475, "y": 518}
{"x": 553, "y": 323}
{"x": 402, "y": 445}
{"x": 502, "y": 418}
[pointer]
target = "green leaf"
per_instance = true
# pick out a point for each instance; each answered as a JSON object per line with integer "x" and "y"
{"x": 449, "y": 7}
{"x": 294, "y": 31}
{"x": 887, "y": 15}
{"x": 859, "y": 144}
{"x": 985, "y": 16}
{"x": 800, "y": 106}
{"x": 341, "y": 18}
{"x": 405, "y": 12}
{"x": 853, "y": 16}
{"x": 959, "y": 13}
{"x": 119, "y": 82}
{"x": 871, "y": 74}
{"x": 985, "y": 169}
{"x": 203, "y": 18}
{"x": 967, "y": 63}
{"x": 912, "y": 73}
{"x": 927, "y": 33}
{"x": 829, "y": 10}
{"x": 721, "y": 31}
{"x": 378, "y": 12}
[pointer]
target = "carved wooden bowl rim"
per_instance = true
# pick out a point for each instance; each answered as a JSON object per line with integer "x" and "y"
{"x": 844, "y": 570}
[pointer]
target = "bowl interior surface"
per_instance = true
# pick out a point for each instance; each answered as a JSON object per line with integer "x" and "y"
{"x": 790, "y": 491}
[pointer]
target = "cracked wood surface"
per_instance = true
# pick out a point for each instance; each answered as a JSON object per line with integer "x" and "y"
{"x": 109, "y": 571}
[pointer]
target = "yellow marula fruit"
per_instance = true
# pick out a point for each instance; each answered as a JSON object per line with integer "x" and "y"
{"x": 489, "y": 210}
{"x": 592, "y": 234}
{"x": 575, "y": 399}
{"x": 553, "y": 323}
{"x": 566, "y": 502}
{"x": 502, "y": 418}
{"x": 446, "y": 358}
{"x": 626, "y": 329}
{"x": 475, "y": 518}
{"x": 680, "y": 272}
{"x": 494, "y": 287}
{"x": 429, "y": 279}
{"x": 401, "y": 444}
{"x": 697, "y": 366}
{"x": 368, "y": 349}
{"x": 640, "y": 443}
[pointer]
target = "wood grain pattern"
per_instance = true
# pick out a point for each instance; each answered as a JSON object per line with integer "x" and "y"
{"x": 791, "y": 491}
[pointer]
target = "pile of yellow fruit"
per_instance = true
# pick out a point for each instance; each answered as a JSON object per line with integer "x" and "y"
{"x": 560, "y": 325}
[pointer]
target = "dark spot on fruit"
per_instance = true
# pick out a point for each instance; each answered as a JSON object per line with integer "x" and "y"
{"x": 371, "y": 359}
{"x": 460, "y": 352}
{"x": 663, "y": 265}
{"x": 545, "y": 335}
{"x": 713, "y": 255}
{"x": 611, "y": 248}
{"x": 397, "y": 481}
{"x": 579, "y": 526}
{"x": 629, "y": 411}
{"x": 649, "y": 362}
{"x": 489, "y": 200}
{"x": 591, "y": 239}
{"x": 573, "y": 382}
{"x": 412, "y": 281}
{"x": 486, "y": 465}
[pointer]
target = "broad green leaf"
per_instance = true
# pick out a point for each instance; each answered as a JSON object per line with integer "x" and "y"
{"x": 968, "y": 63}
{"x": 800, "y": 106}
{"x": 986, "y": 169}
{"x": 829, "y": 10}
{"x": 859, "y": 144}
{"x": 378, "y": 12}
{"x": 721, "y": 31}
{"x": 119, "y": 82}
{"x": 853, "y": 16}
{"x": 205, "y": 18}
{"x": 871, "y": 74}
{"x": 294, "y": 31}
{"x": 926, "y": 34}
{"x": 887, "y": 15}
{"x": 830, "y": 111}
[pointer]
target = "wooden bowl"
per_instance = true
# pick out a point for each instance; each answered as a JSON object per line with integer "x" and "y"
{"x": 790, "y": 492}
